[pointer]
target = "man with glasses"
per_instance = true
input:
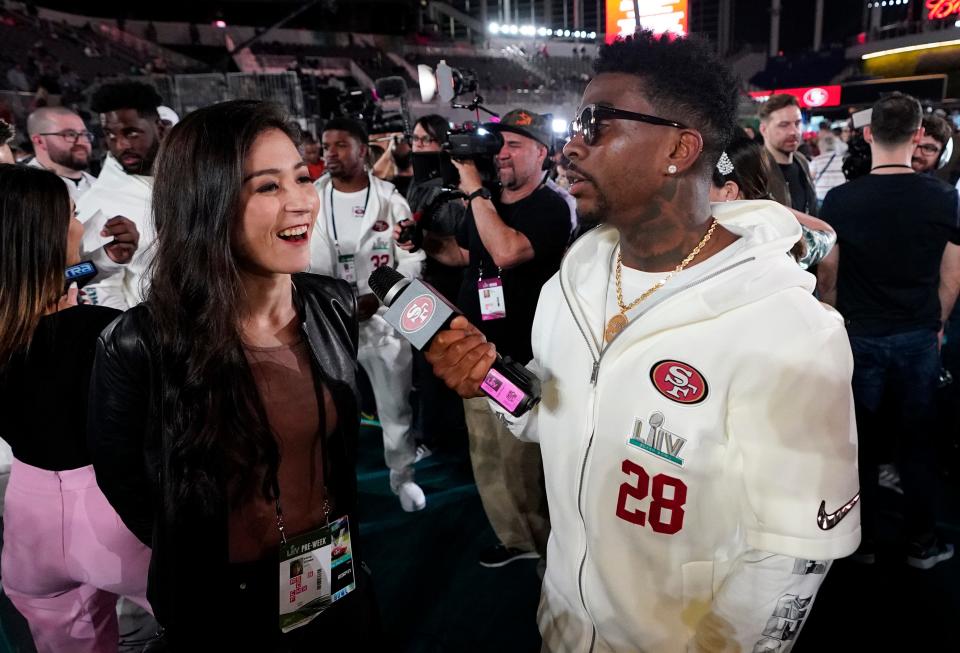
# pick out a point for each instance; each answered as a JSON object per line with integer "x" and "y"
{"x": 936, "y": 134}
{"x": 440, "y": 410}
{"x": 133, "y": 130}
{"x": 509, "y": 245}
{"x": 62, "y": 145}
{"x": 696, "y": 424}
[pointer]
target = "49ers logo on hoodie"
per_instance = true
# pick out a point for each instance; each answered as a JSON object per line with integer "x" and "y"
{"x": 679, "y": 382}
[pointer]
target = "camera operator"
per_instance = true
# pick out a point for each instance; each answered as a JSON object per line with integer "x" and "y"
{"x": 511, "y": 245}
{"x": 440, "y": 409}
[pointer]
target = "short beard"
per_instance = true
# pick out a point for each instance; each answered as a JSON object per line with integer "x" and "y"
{"x": 68, "y": 160}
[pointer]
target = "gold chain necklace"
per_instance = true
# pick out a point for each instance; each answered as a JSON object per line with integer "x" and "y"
{"x": 619, "y": 321}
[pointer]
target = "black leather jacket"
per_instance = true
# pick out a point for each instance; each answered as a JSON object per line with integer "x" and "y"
{"x": 190, "y": 548}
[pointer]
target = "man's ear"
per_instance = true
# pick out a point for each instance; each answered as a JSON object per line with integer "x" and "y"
{"x": 868, "y": 134}
{"x": 686, "y": 150}
{"x": 918, "y": 135}
{"x": 162, "y": 128}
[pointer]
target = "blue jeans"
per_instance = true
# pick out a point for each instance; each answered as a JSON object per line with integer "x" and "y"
{"x": 901, "y": 369}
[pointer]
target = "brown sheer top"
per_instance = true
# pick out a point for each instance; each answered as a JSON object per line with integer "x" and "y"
{"x": 288, "y": 390}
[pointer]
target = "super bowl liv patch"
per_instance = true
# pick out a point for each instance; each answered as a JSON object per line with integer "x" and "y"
{"x": 658, "y": 440}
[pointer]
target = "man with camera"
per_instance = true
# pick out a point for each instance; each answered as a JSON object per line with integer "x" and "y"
{"x": 352, "y": 238}
{"x": 510, "y": 245}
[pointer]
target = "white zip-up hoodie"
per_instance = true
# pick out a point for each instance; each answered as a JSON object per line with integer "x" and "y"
{"x": 713, "y": 425}
{"x": 385, "y": 209}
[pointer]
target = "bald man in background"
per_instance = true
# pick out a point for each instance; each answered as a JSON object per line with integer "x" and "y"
{"x": 62, "y": 144}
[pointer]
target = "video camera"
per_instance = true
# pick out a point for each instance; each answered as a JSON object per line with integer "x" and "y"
{"x": 469, "y": 142}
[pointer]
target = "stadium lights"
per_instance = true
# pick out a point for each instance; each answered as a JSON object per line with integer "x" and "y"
{"x": 529, "y": 31}
{"x": 560, "y": 126}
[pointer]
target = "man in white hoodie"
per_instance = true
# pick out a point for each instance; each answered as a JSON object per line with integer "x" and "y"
{"x": 133, "y": 131}
{"x": 696, "y": 425}
{"x": 354, "y": 236}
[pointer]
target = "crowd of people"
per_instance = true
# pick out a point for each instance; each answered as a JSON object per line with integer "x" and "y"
{"x": 721, "y": 340}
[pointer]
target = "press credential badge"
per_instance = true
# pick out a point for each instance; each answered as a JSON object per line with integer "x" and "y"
{"x": 492, "y": 304}
{"x": 316, "y": 570}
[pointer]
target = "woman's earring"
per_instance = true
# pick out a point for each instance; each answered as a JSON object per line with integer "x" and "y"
{"x": 672, "y": 169}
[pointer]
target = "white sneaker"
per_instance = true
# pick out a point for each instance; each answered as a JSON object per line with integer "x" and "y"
{"x": 411, "y": 496}
{"x": 423, "y": 451}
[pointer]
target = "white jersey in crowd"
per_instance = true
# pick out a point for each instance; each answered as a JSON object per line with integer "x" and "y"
{"x": 364, "y": 224}
{"x": 368, "y": 236}
{"x": 701, "y": 468}
{"x": 826, "y": 170}
{"x": 117, "y": 193}
{"x": 76, "y": 187}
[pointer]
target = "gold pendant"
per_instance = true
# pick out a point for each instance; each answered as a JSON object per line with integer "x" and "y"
{"x": 615, "y": 326}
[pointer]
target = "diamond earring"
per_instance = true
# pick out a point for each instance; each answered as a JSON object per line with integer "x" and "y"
{"x": 672, "y": 169}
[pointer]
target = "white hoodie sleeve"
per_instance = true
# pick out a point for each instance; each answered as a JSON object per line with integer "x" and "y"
{"x": 523, "y": 427}
{"x": 762, "y": 604}
{"x": 791, "y": 422}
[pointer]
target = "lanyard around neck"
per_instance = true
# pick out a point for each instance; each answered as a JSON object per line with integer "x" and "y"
{"x": 333, "y": 217}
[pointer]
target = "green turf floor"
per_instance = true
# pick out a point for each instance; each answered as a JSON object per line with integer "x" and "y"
{"x": 433, "y": 595}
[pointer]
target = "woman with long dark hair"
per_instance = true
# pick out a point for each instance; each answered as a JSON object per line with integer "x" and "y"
{"x": 744, "y": 176}
{"x": 226, "y": 406}
{"x": 66, "y": 556}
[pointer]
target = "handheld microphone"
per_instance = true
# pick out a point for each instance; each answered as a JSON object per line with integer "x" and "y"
{"x": 418, "y": 312}
{"x": 79, "y": 274}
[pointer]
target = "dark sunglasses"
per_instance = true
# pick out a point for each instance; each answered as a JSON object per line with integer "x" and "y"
{"x": 588, "y": 122}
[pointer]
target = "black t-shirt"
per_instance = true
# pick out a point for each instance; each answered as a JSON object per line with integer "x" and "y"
{"x": 43, "y": 391}
{"x": 544, "y": 218}
{"x": 891, "y": 230}
{"x": 797, "y": 185}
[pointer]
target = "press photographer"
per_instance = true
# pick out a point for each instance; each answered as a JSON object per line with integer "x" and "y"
{"x": 510, "y": 242}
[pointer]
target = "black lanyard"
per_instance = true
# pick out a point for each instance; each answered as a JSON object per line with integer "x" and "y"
{"x": 333, "y": 218}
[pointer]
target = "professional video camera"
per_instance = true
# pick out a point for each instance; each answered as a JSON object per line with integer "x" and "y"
{"x": 469, "y": 142}
{"x": 369, "y": 107}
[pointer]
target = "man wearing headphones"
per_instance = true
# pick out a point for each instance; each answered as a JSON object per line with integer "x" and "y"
{"x": 511, "y": 243}
{"x": 931, "y": 152}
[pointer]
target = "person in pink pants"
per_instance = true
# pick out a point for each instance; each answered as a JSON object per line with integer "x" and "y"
{"x": 67, "y": 556}
{"x": 66, "y": 559}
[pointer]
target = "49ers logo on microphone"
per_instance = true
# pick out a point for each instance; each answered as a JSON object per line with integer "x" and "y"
{"x": 678, "y": 381}
{"x": 417, "y": 313}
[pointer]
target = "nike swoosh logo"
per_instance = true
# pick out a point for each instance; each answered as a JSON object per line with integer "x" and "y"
{"x": 826, "y": 520}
